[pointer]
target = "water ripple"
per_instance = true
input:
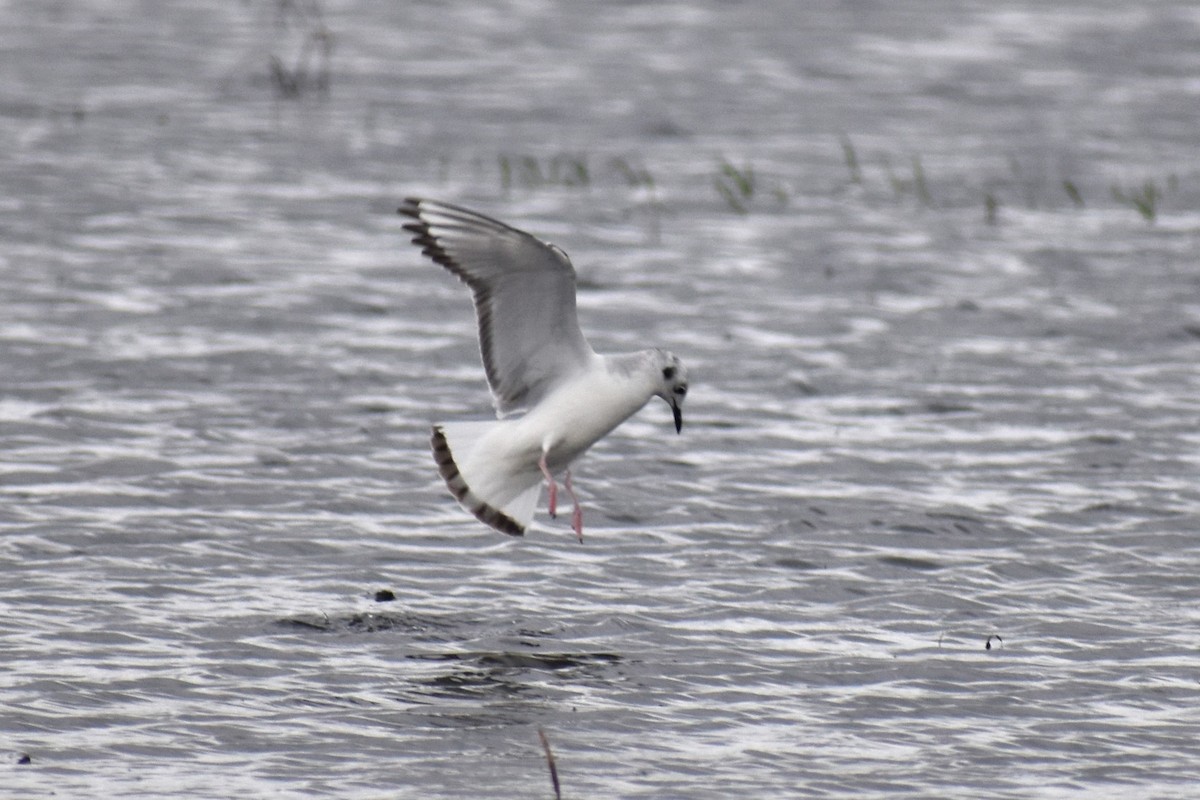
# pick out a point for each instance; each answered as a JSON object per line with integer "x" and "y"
{"x": 930, "y": 530}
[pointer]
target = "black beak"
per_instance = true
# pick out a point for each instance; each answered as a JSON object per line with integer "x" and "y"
{"x": 678, "y": 418}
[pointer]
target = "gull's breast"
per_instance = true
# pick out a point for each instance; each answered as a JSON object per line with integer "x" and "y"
{"x": 581, "y": 412}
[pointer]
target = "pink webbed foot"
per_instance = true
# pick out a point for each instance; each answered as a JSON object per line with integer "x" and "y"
{"x": 577, "y": 514}
{"x": 553, "y": 500}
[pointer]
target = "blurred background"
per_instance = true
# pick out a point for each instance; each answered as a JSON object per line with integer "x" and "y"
{"x": 931, "y": 526}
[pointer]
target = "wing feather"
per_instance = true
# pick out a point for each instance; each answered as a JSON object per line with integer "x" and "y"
{"x": 524, "y": 293}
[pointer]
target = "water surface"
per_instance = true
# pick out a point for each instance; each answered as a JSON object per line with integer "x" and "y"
{"x": 930, "y": 529}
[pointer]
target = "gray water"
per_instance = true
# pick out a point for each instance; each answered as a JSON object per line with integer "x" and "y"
{"x": 931, "y": 527}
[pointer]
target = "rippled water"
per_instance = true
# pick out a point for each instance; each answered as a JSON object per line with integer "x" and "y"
{"x": 931, "y": 529}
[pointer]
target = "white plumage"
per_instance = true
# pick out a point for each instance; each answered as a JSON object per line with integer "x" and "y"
{"x": 537, "y": 362}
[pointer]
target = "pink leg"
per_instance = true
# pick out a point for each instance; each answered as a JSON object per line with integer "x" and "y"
{"x": 553, "y": 486}
{"x": 577, "y": 514}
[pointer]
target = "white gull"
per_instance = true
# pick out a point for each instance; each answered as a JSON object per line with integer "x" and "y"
{"x": 554, "y": 396}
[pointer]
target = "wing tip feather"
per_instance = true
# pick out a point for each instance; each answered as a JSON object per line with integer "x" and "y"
{"x": 424, "y": 237}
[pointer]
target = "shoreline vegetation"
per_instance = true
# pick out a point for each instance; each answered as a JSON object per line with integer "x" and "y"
{"x": 743, "y": 187}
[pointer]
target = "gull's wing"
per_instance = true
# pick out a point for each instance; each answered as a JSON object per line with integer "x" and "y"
{"x": 524, "y": 294}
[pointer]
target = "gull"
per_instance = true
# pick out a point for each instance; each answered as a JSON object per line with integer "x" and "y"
{"x": 554, "y": 396}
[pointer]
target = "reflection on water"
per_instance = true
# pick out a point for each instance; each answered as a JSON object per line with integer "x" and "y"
{"x": 933, "y": 273}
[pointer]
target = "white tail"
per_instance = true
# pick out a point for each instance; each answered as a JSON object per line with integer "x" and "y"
{"x": 488, "y": 487}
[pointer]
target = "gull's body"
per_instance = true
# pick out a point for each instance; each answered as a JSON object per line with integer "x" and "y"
{"x": 537, "y": 362}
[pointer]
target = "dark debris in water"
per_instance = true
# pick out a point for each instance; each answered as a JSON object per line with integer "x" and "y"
{"x": 908, "y": 562}
{"x": 906, "y": 527}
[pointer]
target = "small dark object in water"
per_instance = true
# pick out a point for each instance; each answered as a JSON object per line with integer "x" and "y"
{"x": 385, "y": 596}
{"x": 24, "y": 759}
{"x": 988, "y": 644}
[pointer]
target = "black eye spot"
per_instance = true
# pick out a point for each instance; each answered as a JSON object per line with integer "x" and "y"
{"x": 681, "y": 390}
{"x": 668, "y": 372}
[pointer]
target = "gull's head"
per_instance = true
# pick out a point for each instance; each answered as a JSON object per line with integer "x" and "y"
{"x": 673, "y": 384}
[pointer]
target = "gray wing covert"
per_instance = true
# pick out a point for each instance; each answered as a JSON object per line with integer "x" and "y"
{"x": 524, "y": 292}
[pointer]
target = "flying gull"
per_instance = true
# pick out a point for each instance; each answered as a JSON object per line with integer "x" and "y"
{"x": 554, "y": 396}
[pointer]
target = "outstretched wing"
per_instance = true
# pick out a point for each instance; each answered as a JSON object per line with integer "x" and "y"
{"x": 524, "y": 292}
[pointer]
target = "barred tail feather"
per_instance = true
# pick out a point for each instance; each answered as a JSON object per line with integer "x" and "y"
{"x": 496, "y": 496}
